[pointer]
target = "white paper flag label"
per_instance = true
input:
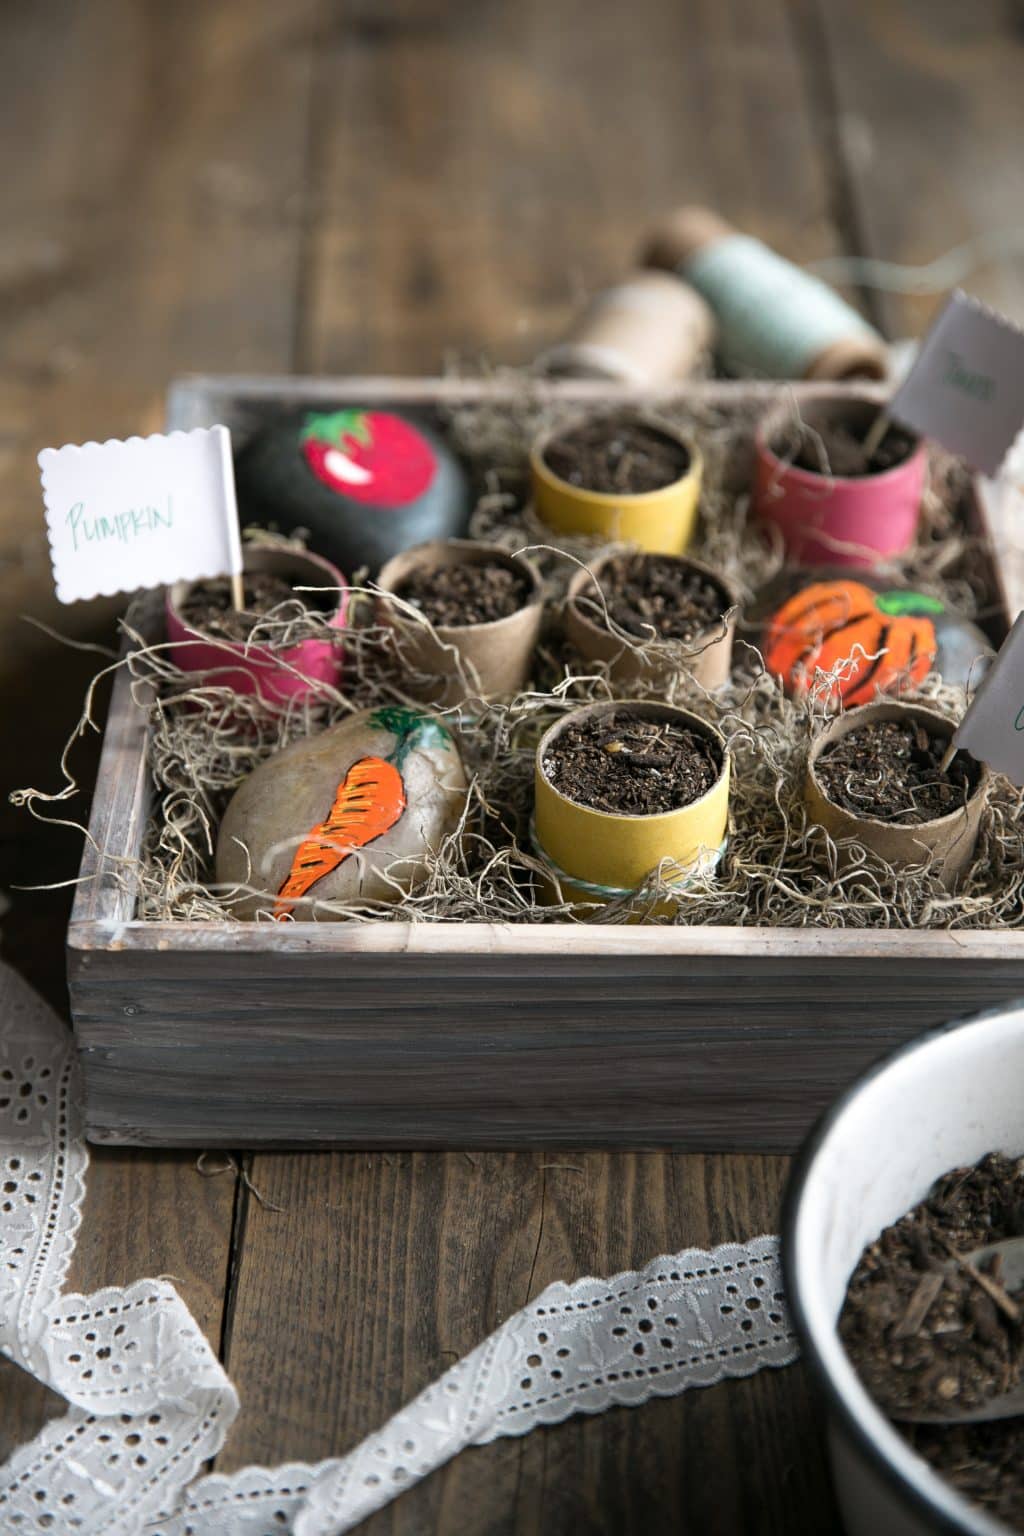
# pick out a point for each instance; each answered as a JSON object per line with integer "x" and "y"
{"x": 993, "y": 728}
{"x": 140, "y": 513}
{"x": 966, "y": 388}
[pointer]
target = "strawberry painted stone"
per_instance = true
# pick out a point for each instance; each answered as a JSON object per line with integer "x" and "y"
{"x": 365, "y": 484}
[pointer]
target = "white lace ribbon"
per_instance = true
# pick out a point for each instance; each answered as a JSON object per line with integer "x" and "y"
{"x": 150, "y": 1403}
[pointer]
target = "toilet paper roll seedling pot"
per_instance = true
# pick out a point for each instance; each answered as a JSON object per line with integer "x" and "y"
{"x": 662, "y": 520}
{"x": 941, "y": 1102}
{"x": 277, "y": 675}
{"x": 830, "y": 519}
{"x": 612, "y": 854}
{"x": 446, "y": 664}
{"x": 947, "y": 841}
{"x": 707, "y": 657}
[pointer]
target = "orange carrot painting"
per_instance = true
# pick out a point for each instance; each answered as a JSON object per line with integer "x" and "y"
{"x": 369, "y": 802}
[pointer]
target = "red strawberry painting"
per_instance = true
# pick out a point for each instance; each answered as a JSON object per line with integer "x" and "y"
{"x": 368, "y": 456}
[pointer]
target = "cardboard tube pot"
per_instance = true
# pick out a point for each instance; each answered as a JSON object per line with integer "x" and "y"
{"x": 835, "y": 519}
{"x": 612, "y": 854}
{"x": 661, "y": 521}
{"x": 446, "y": 663}
{"x": 707, "y": 657}
{"x": 940, "y": 1102}
{"x": 949, "y": 841}
{"x": 276, "y": 675}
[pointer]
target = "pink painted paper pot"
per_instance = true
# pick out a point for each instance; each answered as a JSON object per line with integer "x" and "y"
{"x": 278, "y": 676}
{"x": 829, "y": 519}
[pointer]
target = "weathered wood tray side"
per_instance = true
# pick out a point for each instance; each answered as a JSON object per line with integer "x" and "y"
{"x": 431, "y": 1035}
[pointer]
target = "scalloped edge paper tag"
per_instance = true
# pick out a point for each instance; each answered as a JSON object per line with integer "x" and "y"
{"x": 140, "y": 513}
{"x": 966, "y": 387}
{"x": 992, "y": 730}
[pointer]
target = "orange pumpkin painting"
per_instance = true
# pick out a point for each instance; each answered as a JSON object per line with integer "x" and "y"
{"x": 886, "y": 639}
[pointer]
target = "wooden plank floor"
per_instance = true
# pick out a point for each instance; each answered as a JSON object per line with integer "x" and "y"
{"x": 239, "y": 185}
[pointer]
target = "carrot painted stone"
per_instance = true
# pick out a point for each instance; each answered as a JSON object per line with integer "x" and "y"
{"x": 349, "y": 815}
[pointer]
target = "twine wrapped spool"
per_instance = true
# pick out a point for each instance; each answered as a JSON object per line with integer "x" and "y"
{"x": 774, "y": 320}
{"x": 649, "y": 329}
{"x": 949, "y": 841}
{"x": 599, "y": 856}
{"x": 707, "y": 657}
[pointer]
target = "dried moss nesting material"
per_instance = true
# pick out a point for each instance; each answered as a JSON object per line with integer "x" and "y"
{"x": 889, "y": 771}
{"x": 355, "y": 813}
{"x": 924, "y": 1335}
{"x": 209, "y": 608}
{"x": 656, "y": 593}
{"x": 616, "y": 456}
{"x": 457, "y": 595}
{"x": 624, "y": 764}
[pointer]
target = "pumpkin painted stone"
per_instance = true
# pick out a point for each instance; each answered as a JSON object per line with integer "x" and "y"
{"x": 887, "y": 639}
{"x": 348, "y": 815}
{"x": 364, "y": 484}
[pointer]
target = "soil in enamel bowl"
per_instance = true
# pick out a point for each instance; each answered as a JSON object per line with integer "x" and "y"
{"x": 658, "y": 593}
{"x": 927, "y": 1335}
{"x": 889, "y": 771}
{"x": 628, "y": 765}
{"x": 617, "y": 456}
{"x": 833, "y": 449}
{"x": 208, "y": 608}
{"x": 456, "y": 595}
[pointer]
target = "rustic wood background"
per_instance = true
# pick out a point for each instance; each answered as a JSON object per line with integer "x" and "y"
{"x": 373, "y": 186}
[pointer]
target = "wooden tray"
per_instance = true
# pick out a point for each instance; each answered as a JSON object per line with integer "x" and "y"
{"x": 478, "y": 1035}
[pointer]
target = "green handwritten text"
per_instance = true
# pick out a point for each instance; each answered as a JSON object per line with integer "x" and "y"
{"x": 969, "y": 382}
{"x": 121, "y": 527}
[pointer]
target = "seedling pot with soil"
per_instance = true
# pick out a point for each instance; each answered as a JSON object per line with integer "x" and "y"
{"x": 941, "y": 1103}
{"x": 466, "y": 618}
{"x": 211, "y": 638}
{"x": 679, "y": 611}
{"x": 816, "y": 487}
{"x": 873, "y": 776}
{"x": 619, "y": 478}
{"x": 627, "y": 756}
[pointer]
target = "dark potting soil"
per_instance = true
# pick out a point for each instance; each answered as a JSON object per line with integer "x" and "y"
{"x": 925, "y": 1333}
{"x": 208, "y": 607}
{"x": 835, "y": 449}
{"x": 889, "y": 771}
{"x": 656, "y": 592}
{"x": 629, "y": 765}
{"x": 617, "y": 456}
{"x": 456, "y": 595}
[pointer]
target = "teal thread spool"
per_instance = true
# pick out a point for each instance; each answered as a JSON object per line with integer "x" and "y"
{"x": 774, "y": 320}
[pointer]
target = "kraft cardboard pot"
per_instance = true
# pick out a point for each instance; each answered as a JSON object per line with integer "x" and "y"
{"x": 276, "y": 675}
{"x": 940, "y": 1102}
{"x": 661, "y": 521}
{"x": 610, "y": 855}
{"x": 446, "y": 664}
{"x": 707, "y": 657}
{"x": 949, "y": 841}
{"x": 833, "y": 519}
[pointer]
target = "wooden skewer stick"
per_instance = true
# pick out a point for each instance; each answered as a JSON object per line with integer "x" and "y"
{"x": 876, "y": 433}
{"x": 950, "y": 753}
{"x": 237, "y": 591}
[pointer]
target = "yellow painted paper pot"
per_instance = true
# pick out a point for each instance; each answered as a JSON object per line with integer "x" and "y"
{"x": 595, "y": 856}
{"x": 661, "y": 521}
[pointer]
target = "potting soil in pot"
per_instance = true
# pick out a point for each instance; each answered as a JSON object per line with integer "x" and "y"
{"x": 926, "y": 1334}
{"x": 454, "y": 595}
{"x": 627, "y": 765}
{"x": 655, "y": 592}
{"x": 889, "y": 771}
{"x": 833, "y": 449}
{"x": 208, "y": 607}
{"x": 617, "y": 456}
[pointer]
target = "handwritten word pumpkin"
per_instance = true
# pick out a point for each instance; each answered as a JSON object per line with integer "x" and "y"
{"x": 886, "y": 639}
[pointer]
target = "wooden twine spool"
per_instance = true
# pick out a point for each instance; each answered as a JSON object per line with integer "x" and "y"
{"x": 774, "y": 320}
{"x": 649, "y": 329}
